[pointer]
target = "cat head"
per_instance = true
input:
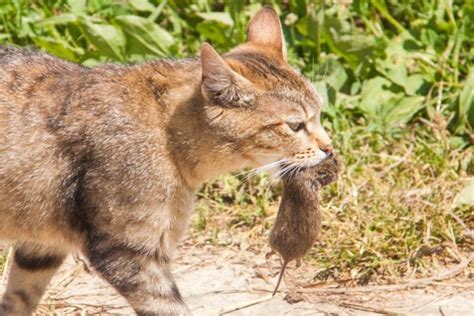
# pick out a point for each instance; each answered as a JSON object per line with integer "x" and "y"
{"x": 259, "y": 104}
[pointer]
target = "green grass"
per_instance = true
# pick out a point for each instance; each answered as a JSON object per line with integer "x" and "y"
{"x": 398, "y": 80}
{"x": 387, "y": 217}
{"x": 383, "y": 62}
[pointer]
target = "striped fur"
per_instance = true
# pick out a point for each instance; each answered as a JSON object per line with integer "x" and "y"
{"x": 106, "y": 160}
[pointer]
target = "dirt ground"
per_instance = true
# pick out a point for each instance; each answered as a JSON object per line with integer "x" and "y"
{"x": 214, "y": 281}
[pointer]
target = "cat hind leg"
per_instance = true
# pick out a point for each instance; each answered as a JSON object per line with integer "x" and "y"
{"x": 32, "y": 268}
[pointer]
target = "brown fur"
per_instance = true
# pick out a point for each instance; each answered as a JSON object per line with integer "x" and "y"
{"x": 298, "y": 223}
{"x": 106, "y": 160}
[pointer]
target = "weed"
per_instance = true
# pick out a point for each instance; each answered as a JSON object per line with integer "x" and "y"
{"x": 397, "y": 78}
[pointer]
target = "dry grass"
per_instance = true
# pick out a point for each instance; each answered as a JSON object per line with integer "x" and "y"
{"x": 389, "y": 216}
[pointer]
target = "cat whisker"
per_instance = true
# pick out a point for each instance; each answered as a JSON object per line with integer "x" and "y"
{"x": 249, "y": 173}
{"x": 297, "y": 170}
{"x": 270, "y": 166}
{"x": 285, "y": 170}
{"x": 291, "y": 170}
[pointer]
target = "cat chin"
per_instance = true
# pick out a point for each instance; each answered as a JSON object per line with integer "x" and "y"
{"x": 320, "y": 157}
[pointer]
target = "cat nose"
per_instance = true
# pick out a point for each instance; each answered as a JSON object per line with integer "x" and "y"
{"x": 327, "y": 149}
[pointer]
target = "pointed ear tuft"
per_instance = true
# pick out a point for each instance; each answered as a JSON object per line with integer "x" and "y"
{"x": 220, "y": 84}
{"x": 265, "y": 29}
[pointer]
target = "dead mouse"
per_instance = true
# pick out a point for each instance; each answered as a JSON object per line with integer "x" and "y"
{"x": 298, "y": 222}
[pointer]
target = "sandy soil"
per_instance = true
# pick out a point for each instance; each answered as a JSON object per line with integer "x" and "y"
{"x": 214, "y": 281}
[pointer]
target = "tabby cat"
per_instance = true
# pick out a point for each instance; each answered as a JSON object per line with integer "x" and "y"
{"x": 106, "y": 160}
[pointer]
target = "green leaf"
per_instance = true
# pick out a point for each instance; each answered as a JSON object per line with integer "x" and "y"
{"x": 345, "y": 41}
{"x": 142, "y": 5}
{"x": 333, "y": 73}
{"x": 107, "y": 39}
{"x": 466, "y": 196}
{"x": 222, "y": 17}
{"x": 322, "y": 89}
{"x": 97, "y": 5}
{"x": 398, "y": 74}
{"x": 399, "y": 59}
{"x": 414, "y": 83}
{"x": 157, "y": 11}
{"x": 58, "y": 48}
{"x": 93, "y": 62}
{"x": 78, "y": 6}
{"x": 213, "y": 31}
{"x": 403, "y": 110}
{"x": 466, "y": 102}
{"x": 355, "y": 87}
{"x": 302, "y": 25}
{"x": 236, "y": 8}
{"x": 457, "y": 142}
{"x": 58, "y": 20}
{"x": 147, "y": 35}
{"x": 375, "y": 95}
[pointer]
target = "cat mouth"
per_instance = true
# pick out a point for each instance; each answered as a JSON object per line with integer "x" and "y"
{"x": 290, "y": 165}
{"x": 307, "y": 163}
{"x": 319, "y": 160}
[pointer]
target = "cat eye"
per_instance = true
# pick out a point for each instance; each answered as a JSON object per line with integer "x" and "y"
{"x": 296, "y": 126}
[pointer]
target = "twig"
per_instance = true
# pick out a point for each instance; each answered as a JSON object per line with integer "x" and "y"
{"x": 245, "y": 305}
{"x": 457, "y": 219}
{"x": 72, "y": 296}
{"x": 69, "y": 276}
{"x": 466, "y": 231}
{"x": 397, "y": 287}
{"x": 188, "y": 268}
{"x": 81, "y": 305}
{"x": 369, "y": 308}
{"x": 436, "y": 299}
{"x": 398, "y": 162}
{"x": 219, "y": 292}
{"x": 441, "y": 311}
{"x": 80, "y": 260}
{"x": 458, "y": 285}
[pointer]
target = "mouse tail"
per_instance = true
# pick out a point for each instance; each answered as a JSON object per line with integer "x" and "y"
{"x": 282, "y": 272}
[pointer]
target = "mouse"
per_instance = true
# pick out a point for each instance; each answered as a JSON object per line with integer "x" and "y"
{"x": 298, "y": 222}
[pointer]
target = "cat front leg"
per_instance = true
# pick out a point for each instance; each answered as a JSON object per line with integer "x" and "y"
{"x": 144, "y": 279}
{"x": 32, "y": 268}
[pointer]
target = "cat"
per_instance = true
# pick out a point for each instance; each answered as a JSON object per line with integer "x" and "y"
{"x": 106, "y": 160}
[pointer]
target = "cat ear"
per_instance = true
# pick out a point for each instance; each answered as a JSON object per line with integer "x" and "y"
{"x": 265, "y": 29}
{"x": 220, "y": 84}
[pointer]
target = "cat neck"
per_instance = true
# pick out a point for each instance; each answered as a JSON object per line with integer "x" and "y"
{"x": 198, "y": 152}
